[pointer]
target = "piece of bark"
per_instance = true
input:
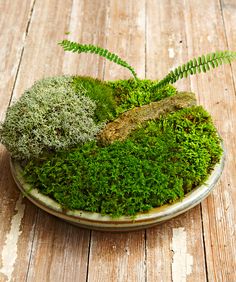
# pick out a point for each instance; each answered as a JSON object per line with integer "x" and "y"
{"x": 120, "y": 128}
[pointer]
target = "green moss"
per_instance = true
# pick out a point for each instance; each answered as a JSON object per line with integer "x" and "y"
{"x": 157, "y": 164}
{"x": 115, "y": 97}
{"x": 100, "y": 93}
{"x": 131, "y": 93}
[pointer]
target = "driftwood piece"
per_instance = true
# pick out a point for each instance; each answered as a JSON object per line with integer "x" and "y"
{"x": 120, "y": 128}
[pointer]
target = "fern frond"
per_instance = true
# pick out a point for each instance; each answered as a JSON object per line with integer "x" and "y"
{"x": 202, "y": 64}
{"x": 82, "y": 48}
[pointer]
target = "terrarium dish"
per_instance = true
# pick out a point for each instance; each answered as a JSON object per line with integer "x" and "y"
{"x": 96, "y": 221}
{"x": 115, "y": 156}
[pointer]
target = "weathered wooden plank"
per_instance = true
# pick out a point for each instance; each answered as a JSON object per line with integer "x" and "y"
{"x": 59, "y": 251}
{"x": 87, "y": 26}
{"x": 166, "y": 41}
{"x": 217, "y": 94}
{"x": 114, "y": 256}
{"x": 117, "y": 257}
{"x": 13, "y": 227}
{"x": 14, "y": 20}
{"x": 125, "y": 35}
{"x": 228, "y": 10}
{"x": 43, "y": 57}
{"x": 167, "y": 47}
{"x": 175, "y": 249}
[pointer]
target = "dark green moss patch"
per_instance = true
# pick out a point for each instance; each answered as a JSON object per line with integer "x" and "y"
{"x": 100, "y": 93}
{"x": 157, "y": 164}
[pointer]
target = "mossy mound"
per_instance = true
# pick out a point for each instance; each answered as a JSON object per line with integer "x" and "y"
{"x": 131, "y": 93}
{"x": 100, "y": 93}
{"x": 157, "y": 164}
{"x": 116, "y": 97}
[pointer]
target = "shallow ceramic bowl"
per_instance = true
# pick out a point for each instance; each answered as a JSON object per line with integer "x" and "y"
{"x": 125, "y": 223}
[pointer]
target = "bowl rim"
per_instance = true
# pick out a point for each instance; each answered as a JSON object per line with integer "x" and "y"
{"x": 93, "y": 220}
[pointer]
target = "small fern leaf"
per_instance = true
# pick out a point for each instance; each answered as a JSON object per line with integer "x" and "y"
{"x": 82, "y": 48}
{"x": 203, "y": 63}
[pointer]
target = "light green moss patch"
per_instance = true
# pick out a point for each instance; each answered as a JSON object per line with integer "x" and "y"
{"x": 131, "y": 93}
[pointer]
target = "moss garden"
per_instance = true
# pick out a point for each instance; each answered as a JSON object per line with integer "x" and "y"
{"x": 114, "y": 147}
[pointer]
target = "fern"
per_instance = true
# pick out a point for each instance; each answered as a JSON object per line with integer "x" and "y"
{"x": 82, "y": 48}
{"x": 197, "y": 65}
{"x": 201, "y": 64}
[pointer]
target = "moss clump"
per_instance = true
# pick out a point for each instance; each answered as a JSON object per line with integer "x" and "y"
{"x": 155, "y": 165}
{"x": 131, "y": 93}
{"x": 50, "y": 116}
{"x": 115, "y": 97}
{"x": 100, "y": 93}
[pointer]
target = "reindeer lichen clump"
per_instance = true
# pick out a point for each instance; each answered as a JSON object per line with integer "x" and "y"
{"x": 49, "y": 117}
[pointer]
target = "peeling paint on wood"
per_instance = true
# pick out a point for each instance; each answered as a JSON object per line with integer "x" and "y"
{"x": 171, "y": 52}
{"x": 182, "y": 261}
{"x": 9, "y": 253}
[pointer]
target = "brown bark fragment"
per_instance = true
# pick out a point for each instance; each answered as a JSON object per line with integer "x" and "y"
{"x": 130, "y": 120}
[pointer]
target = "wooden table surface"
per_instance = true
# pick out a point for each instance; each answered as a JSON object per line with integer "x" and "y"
{"x": 153, "y": 36}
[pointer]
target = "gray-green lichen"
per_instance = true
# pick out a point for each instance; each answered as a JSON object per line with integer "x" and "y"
{"x": 50, "y": 116}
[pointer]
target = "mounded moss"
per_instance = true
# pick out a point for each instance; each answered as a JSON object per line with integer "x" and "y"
{"x": 115, "y": 97}
{"x": 132, "y": 93}
{"x": 100, "y": 93}
{"x": 155, "y": 165}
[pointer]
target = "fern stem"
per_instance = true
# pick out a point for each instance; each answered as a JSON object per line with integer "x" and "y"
{"x": 202, "y": 64}
{"x": 82, "y": 48}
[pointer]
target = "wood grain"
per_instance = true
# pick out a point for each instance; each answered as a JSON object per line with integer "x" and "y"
{"x": 166, "y": 40}
{"x": 228, "y": 12}
{"x": 14, "y": 20}
{"x": 88, "y": 22}
{"x": 117, "y": 257}
{"x": 125, "y": 35}
{"x": 160, "y": 251}
{"x": 59, "y": 251}
{"x": 42, "y": 56}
